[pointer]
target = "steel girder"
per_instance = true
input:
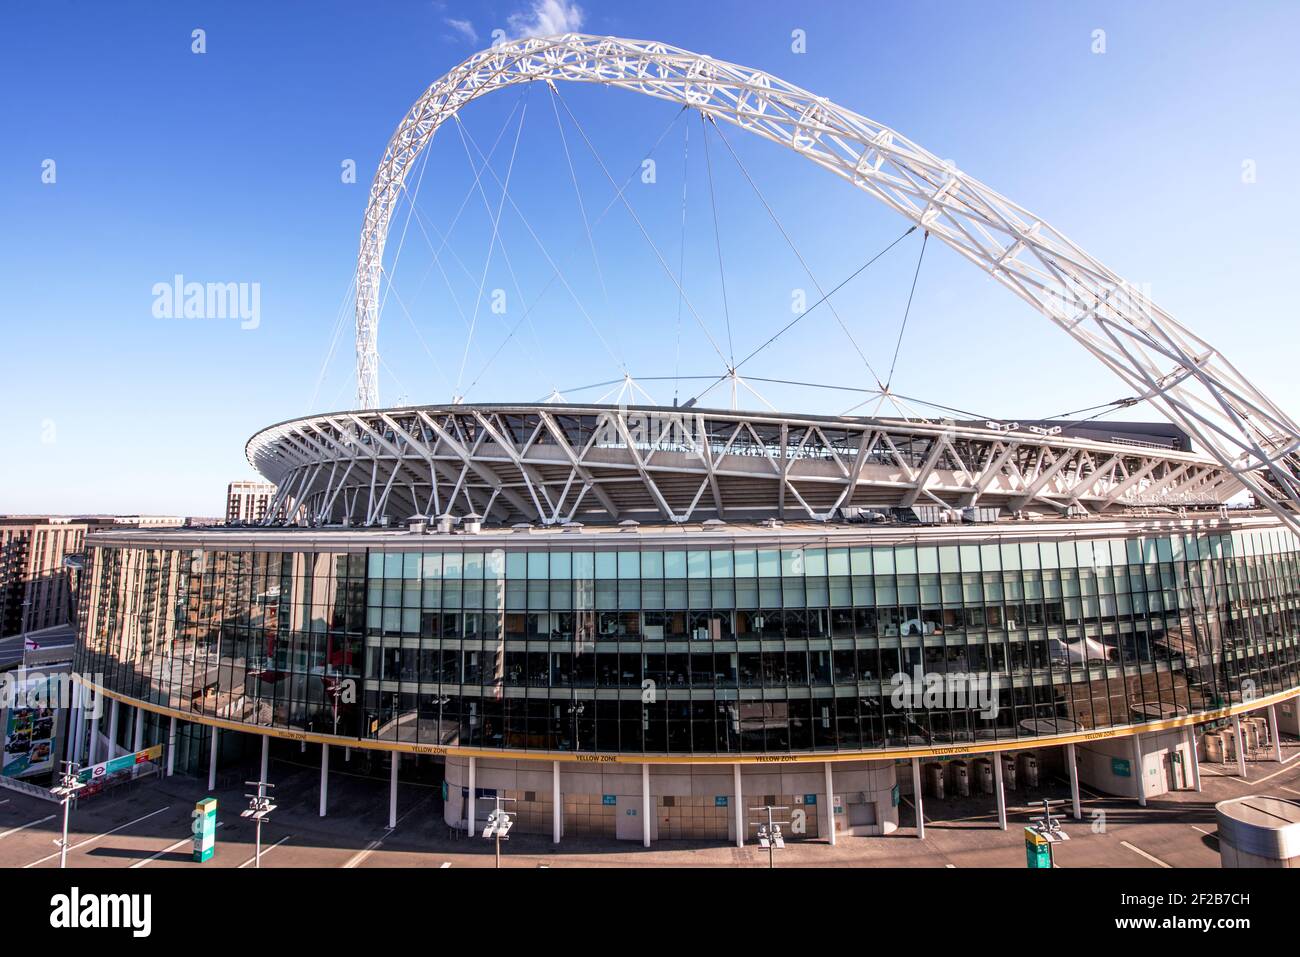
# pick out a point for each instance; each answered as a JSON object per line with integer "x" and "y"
{"x": 1160, "y": 360}
{"x": 553, "y": 464}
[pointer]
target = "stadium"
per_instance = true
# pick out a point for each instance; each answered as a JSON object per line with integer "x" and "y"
{"x": 637, "y": 621}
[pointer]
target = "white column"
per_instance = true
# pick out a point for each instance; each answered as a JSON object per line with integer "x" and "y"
{"x": 1272, "y": 730}
{"x": 557, "y": 804}
{"x": 212, "y": 761}
{"x": 830, "y": 804}
{"x": 112, "y": 729}
{"x": 469, "y": 801}
{"x": 740, "y": 808}
{"x": 916, "y": 798}
{"x": 266, "y": 763}
{"x": 1000, "y": 790}
{"x": 645, "y": 805}
{"x": 171, "y": 746}
{"x": 1241, "y": 749}
{"x": 138, "y": 742}
{"x": 392, "y": 791}
{"x": 1190, "y": 732}
{"x": 1137, "y": 770}
{"x": 92, "y": 740}
{"x": 74, "y": 720}
{"x": 1072, "y": 760}
{"x": 324, "y": 776}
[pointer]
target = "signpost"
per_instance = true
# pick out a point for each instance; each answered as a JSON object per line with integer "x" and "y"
{"x": 66, "y": 790}
{"x": 1042, "y": 834}
{"x": 205, "y": 829}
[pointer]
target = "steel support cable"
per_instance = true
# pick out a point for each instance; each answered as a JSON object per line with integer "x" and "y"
{"x": 681, "y": 260}
{"x": 401, "y": 241}
{"x": 658, "y": 255}
{"x": 339, "y": 321}
{"x": 502, "y": 344}
{"x": 907, "y": 311}
{"x": 789, "y": 325}
{"x": 419, "y": 335}
{"x": 465, "y": 137}
{"x": 717, "y": 238}
{"x": 555, "y": 270}
{"x": 582, "y": 210}
{"x": 478, "y": 173}
{"x": 795, "y": 249}
{"x": 492, "y": 240}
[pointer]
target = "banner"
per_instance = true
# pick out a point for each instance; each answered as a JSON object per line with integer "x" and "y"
{"x": 29, "y": 735}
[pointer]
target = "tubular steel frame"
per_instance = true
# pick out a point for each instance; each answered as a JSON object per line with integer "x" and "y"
{"x": 1192, "y": 383}
{"x": 553, "y": 464}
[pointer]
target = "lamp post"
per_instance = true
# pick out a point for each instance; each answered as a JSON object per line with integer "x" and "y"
{"x": 67, "y": 787}
{"x": 1045, "y": 830}
{"x": 259, "y": 807}
{"x": 769, "y": 834}
{"x": 498, "y": 825}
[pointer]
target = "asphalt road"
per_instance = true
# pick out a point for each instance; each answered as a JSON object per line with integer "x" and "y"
{"x": 148, "y": 826}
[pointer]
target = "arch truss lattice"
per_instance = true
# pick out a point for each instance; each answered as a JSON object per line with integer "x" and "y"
{"x": 1163, "y": 362}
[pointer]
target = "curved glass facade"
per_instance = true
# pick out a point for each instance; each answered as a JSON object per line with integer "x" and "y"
{"x": 567, "y": 644}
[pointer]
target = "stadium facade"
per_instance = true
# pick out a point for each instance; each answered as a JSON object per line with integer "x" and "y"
{"x": 644, "y": 622}
{"x": 753, "y": 633}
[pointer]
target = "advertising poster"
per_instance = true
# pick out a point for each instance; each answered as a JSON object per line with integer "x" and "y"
{"x": 29, "y": 731}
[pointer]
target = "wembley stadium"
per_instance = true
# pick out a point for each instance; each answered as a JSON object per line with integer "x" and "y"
{"x": 637, "y": 620}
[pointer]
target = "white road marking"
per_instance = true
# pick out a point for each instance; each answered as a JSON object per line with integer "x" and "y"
{"x": 445, "y": 865}
{"x": 1205, "y": 832}
{"x": 265, "y": 851}
{"x": 1150, "y": 857}
{"x": 953, "y": 866}
{"x": 5, "y": 801}
{"x": 23, "y": 827}
{"x": 360, "y": 856}
{"x": 370, "y": 848}
{"x": 91, "y": 840}
{"x": 1270, "y": 777}
{"x": 167, "y": 850}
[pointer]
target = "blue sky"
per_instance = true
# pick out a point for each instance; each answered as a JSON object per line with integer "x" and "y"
{"x": 225, "y": 167}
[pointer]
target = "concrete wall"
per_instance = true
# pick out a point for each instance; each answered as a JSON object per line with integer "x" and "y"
{"x": 1098, "y": 766}
{"x": 688, "y": 801}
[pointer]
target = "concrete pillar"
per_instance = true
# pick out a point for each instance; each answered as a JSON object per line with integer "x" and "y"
{"x": 1190, "y": 733}
{"x": 1000, "y": 790}
{"x": 830, "y": 804}
{"x": 645, "y": 805}
{"x": 557, "y": 804}
{"x": 74, "y": 722}
{"x": 266, "y": 764}
{"x": 92, "y": 740}
{"x": 916, "y": 798}
{"x": 469, "y": 800}
{"x": 1072, "y": 760}
{"x": 171, "y": 746}
{"x": 112, "y": 729}
{"x": 1241, "y": 745}
{"x": 324, "y": 777}
{"x": 1137, "y": 770}
{"x": 138, "y": 743}
{"x": 740, "y": 806}
{"x": 1272, "y": 732}
{"x": 212, "y": 761}
{"x": 392, "y": 791}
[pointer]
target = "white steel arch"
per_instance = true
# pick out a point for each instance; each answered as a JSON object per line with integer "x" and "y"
{"x": 1161, "y": 360}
